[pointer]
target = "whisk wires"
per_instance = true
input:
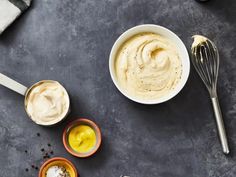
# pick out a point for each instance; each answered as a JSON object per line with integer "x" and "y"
{"x": 205, "y": 58}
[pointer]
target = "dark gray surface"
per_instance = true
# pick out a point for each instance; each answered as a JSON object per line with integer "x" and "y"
{"x": 70, "y": 41}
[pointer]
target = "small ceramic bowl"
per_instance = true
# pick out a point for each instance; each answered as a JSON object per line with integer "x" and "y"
{"x": 82, "y": 121}
{"x": 183, "y": 53}
{"x": 58, "y": 161}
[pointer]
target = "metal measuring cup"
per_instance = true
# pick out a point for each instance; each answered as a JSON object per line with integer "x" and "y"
{"x": 23, "y": 90}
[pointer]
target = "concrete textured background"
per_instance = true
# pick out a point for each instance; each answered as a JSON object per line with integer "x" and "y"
{"x": 70, "y": 41}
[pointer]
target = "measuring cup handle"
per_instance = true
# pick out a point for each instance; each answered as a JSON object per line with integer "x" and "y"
{"x": 13, "y": 85}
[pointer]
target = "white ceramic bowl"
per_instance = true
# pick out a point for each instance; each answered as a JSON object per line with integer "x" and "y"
{"x": 183, "y": 53}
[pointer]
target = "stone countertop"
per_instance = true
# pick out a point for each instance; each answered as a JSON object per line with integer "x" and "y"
{"x": 70, "y": 41}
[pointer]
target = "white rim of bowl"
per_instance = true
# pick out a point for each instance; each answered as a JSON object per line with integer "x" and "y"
{"x": 180, "y": 46}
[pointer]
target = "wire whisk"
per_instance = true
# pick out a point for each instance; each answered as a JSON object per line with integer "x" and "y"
{"x": 205, "y": 58}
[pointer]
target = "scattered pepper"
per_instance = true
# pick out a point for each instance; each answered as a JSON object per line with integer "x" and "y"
{"x": 46, "y": 153}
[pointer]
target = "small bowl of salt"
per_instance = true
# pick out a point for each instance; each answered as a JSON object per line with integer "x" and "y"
{"x": 58, "y": 167}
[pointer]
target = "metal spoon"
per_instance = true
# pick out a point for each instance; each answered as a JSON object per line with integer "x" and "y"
{"x": 205, "y": 58}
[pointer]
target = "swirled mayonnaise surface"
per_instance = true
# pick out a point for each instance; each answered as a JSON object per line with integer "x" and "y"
{"x": 148, "y": 66}
{"x": 47, "y": 102}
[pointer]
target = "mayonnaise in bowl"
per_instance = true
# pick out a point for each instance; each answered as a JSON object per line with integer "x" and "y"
{"x": 149, "y": 64}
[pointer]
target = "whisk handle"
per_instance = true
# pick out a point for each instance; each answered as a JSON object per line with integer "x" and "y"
{"x": 220, "y": 124}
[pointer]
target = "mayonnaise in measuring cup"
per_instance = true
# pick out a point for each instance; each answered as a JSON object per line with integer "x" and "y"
{"x": 47, "y": 102}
